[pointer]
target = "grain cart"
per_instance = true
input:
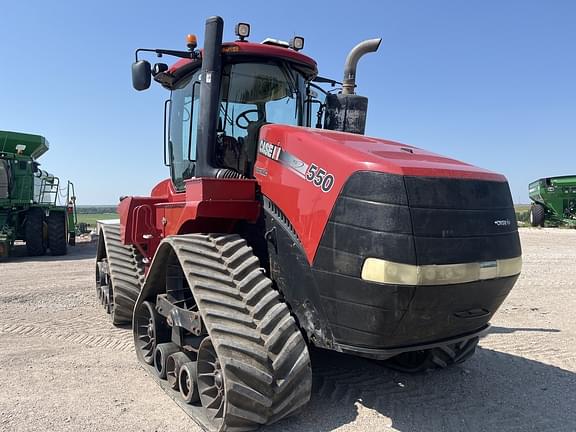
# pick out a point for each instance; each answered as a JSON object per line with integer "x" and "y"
{"x": 553, "y": 200}
{"x": 30, "y": 203}
{"x": 282, "y": 226}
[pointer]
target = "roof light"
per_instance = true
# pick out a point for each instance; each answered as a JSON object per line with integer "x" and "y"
{"x": 276, "y": 42}
{"x": 242, "y": 30}
{"x": 191, "y": 42}
{"x": 297, "y": 43}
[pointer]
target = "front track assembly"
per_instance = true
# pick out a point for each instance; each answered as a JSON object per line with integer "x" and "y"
{"x": 216, "y": 336}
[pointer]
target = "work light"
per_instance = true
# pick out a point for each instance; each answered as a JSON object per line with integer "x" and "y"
{"x": 242, "y": 30}
{"x": 297, "y": 43}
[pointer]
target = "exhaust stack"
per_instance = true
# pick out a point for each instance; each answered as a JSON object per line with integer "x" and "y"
{"x": 209, "y": 98}
{"x": 364, "y": 47}
{"x": 346, "y": 112}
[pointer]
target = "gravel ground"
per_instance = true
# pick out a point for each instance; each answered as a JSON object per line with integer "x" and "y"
{"x": 63, "y": 367}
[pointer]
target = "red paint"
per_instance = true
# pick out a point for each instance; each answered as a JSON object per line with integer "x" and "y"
{"x": 341, "y": 154}
{"x": 257, "y": 50}
{"x": 215, "y": 205}
{"x": 206, "y": 205}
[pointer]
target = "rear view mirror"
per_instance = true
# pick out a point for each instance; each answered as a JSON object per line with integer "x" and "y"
{"x": 141, "y": 75}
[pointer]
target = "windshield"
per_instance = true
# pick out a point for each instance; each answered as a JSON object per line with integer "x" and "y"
{"x": 254, "y": 94}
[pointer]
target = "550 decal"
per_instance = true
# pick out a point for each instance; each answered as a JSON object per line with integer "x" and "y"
{"x": 319, "y": 177}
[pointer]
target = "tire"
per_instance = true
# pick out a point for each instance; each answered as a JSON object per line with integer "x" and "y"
{"x": 126, "y": 273}
{"x": 251, "y": 334}
{"x": 34, "y": 232}
{"x": 434, "y": 358}
{"x": 57, "y": 233}
{"x": 537, "y": 215}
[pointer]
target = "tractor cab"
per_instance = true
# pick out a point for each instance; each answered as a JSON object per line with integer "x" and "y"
{"x": 253, "y": 92}
{"x": 222, "y": 95}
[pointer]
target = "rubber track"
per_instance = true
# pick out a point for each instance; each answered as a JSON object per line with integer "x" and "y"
{"x": 126, "y": 271}
{"x": 266, "y": 360}
{"x": 449, "y": 355}
{"x": 438, "y": 358}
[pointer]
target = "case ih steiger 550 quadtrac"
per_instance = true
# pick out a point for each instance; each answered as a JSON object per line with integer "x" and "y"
{"x": 272, "y": 236}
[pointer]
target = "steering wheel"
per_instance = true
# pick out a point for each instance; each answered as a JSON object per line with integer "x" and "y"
{"x": 244, "y": 115}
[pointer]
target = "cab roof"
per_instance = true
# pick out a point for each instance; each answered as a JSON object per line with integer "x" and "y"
{"x": 242, "y": 49}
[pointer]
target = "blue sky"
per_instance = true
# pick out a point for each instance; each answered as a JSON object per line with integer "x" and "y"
{"x": 489, "y": 82}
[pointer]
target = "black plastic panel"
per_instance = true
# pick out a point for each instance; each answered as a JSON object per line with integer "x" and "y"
{"x": 463, "y": 223}
{"x": 450, "y": 193}
{"x": 374, "y": 315}
{"x": 360, "y": 213}
{"x": 448, "y": 250}
{"x": 368, "y": 243}
{"x": 448, "y": 221}
{"x": 377, "y": 187}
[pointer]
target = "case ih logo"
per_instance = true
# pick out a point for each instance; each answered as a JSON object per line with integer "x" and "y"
{"x": 269, "y": 150}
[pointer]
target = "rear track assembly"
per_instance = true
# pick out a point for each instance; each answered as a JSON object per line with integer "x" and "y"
{"x": 119, "y": 275}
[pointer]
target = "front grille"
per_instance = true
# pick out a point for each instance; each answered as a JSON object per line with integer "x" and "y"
{"x": 418, "y": 220}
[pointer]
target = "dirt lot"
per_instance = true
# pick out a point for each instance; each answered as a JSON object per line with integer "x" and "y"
{"x": 63, "y": 367}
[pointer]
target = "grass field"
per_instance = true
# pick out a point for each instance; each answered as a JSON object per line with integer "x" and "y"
{"x": 91, "y": 218}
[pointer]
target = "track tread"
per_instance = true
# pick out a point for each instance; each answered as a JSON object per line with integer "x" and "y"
{"x": 438, "y": 358}
{"x": 126, "y": 271}
{"x": 244, "y": 316}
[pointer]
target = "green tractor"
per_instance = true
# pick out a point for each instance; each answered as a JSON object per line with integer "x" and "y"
{"x": 553, "y": 201}
{"x": 33, "y": 207}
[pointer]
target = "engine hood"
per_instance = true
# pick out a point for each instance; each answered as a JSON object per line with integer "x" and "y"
{"x": 375, "y": 154}
{"x": 302, "y": 171}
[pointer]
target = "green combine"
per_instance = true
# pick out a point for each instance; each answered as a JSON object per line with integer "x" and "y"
{"x": 33, "y": 207}
{"x": 553, "y": 201}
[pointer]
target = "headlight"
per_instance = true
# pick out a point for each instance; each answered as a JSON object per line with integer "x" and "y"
{"x": 388, "y": 272}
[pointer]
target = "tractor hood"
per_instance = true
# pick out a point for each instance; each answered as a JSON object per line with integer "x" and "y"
{"x": 376, "y": 154}
{"x": 304, "y": 171}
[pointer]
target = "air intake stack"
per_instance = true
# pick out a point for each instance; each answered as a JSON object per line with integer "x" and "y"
{"x": 346, "y": 112}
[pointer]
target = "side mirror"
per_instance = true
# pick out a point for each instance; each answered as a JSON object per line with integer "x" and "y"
{"x": 141, "y": 75}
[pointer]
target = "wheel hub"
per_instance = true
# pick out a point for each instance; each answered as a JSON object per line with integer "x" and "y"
{"x": 150, "y": 329}
{"x": 218, "y": 379}
{"x": 146, "y": 331}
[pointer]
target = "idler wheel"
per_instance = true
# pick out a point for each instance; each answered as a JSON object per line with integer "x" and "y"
{"x": 187, "y": 382}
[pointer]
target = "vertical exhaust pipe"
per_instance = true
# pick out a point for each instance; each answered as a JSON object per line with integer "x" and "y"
{"x": 209, "y": 97}
{"x": 346, "y": 112}
{"x": 364, "y": 47}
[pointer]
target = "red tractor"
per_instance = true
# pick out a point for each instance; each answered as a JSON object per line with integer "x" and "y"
{"x": 283, "y": 228}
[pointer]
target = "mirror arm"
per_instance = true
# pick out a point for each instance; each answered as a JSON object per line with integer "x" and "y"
{"x": 160, "y": 52}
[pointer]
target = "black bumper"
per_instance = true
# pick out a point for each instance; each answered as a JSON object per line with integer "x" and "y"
{"x": 379, "y": 319}
{"x": 409, "y": 220}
